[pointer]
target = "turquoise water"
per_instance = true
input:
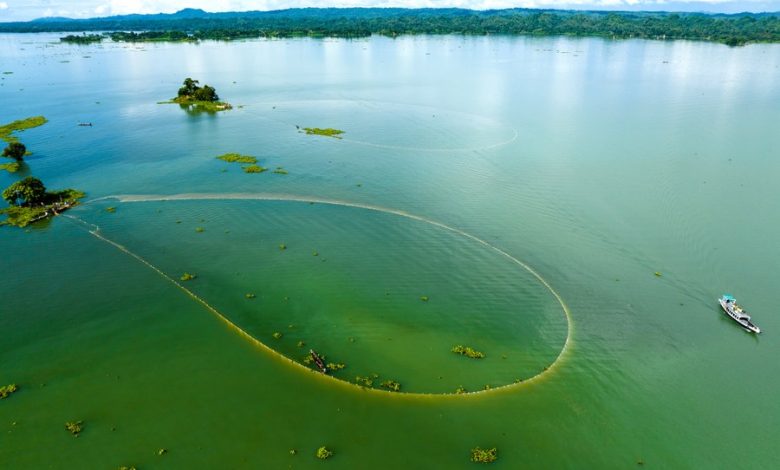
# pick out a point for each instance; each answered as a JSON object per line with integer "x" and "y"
{"x": 595, "y": 162}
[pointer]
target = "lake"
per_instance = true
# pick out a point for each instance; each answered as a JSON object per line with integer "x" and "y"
{"x": 571, "y": 208}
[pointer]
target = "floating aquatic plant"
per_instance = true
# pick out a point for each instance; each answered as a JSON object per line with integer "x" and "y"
{"x": 12, "y": 167}
{"x": 468, "y": 352}
{"x": 327, "y": 132}
{"x": 187, "y": 277}
{"x": 254, "y": 169}
{"x": 74, "y": 427}
{"x": 111, "y": 209}
{"x": 391, "y": 385}
{"x": 334, "y": 366}
{"x": 282, "y": 246}
{"x": 250, "y": 296}
{"x": 460, "y": 390}
{"x": 424, "y": 298}
{"x": 199, "y": 229}
{"x": 480, "y": 455}
{"x": 301, "y": 344}
{"x": 18, "y": 126}
{"x": 7, "y": 390}
{"x": 162, "y": 451}
{"x": 293, "y": 452}
{"x": 364, "y": 381}
{"x": 277, "y": 335}
{"x": 324, "y": 453}
{"x": 658, "y": 274}
{"x": 237, "y": 158}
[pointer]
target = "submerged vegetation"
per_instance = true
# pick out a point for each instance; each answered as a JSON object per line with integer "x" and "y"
{"x": 12, "y": 167}
{"x": 7, "y": 130}
{"x": 7, "y": 390}
{"x": 468, "y": 352}
{"x": 187, "y": 277}
{"x": 327, "y": 132}
{"x": 480, "y": 455}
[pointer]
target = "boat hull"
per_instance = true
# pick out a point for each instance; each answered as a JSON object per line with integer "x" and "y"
{"x": 746, "y": 324}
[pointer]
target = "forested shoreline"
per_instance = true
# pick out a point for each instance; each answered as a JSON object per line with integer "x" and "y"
{"x": 193, "y": 25}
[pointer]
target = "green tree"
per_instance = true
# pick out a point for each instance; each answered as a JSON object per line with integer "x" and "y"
{"x": 15, "y": 150}
{"x": 25, "y": 192}
{"x": 206, "y": 93}
{"x": 189, "y": 88}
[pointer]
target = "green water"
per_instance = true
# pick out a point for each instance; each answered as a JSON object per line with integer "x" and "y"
{"x": 597, "y": 163}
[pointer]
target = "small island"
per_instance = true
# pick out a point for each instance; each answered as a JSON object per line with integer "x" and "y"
{"x": 194, "y": 97}
{"x": 29, "y": 202}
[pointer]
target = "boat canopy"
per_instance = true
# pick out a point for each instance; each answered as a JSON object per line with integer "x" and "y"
{"x": 728, "y": 297}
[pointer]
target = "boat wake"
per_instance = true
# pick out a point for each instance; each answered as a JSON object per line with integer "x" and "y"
{"x": 140, "y": 198}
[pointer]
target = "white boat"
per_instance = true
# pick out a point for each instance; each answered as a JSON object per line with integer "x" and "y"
{"x": 737, "y": 313}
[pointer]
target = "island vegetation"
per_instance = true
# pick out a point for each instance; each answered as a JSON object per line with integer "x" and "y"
{"x": 83, "y": 38}
{"x": 196, "y": 25}
{"x": 327, "y": 132}
{"x": 237, "y": 158}
{"x": 193, "y": 97}
{"x": 29, "y": 202}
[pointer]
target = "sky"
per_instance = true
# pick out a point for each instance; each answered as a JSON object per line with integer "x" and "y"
{"x": 23, "y": 10}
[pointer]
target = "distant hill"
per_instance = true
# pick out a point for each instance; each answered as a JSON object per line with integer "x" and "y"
{"x": 195, "y": 24}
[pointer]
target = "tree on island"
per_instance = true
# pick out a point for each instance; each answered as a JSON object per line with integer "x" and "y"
{"x": 26, "y": 192}
{"x": 15, "y": 150}
{"x": 192, "y": 91}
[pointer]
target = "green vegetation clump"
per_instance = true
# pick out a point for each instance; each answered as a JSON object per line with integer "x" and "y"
{"x": 250, "y": 296}
{"x": 12, "y": 167}
{"x": 15, "y": 150}
{"x": 282, "y": 246}
{"x": 187, "y": 277}
{"x": 254, "y": 169}
{"x": 83, "y": 38}
{"x": 334, "y": 366}
{"x": 480, "y": 455}
{"x": 19, "y": 126}
{"x": 424, "y": 298}
{"x": 124, "y": 467}
{"x": 468, "y": 352}
{"x": 199, "y": 229}
{"x": 301, "y": 344}
{"x": 152, "y": 36}
{"x": 324, "y": 453}
{"x": 277, "y": 335}
{"x": 7, "y": 390}
{"x": 364, "y": 381}
{"x": 391, "y": 385}
{"x": 460, "y": 390}
{"x": 237, "y": 158}
{"x": 162, "y": 451}
{"x": 658, "y": 274}
{"x": 327, "y": 132}
{"x": 74, "y": 427}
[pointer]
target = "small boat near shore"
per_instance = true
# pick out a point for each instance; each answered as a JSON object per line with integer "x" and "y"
{"x": 737, "y": 313}
{"x": 318, "y": 361}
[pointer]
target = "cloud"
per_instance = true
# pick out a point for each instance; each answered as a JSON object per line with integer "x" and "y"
{"x": 3, "y": 6}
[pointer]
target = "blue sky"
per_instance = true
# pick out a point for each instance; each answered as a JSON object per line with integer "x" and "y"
{"x": 19, "y": 10}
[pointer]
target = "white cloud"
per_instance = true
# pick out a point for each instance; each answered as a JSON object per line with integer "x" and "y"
{"x": 3, "y": 6}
